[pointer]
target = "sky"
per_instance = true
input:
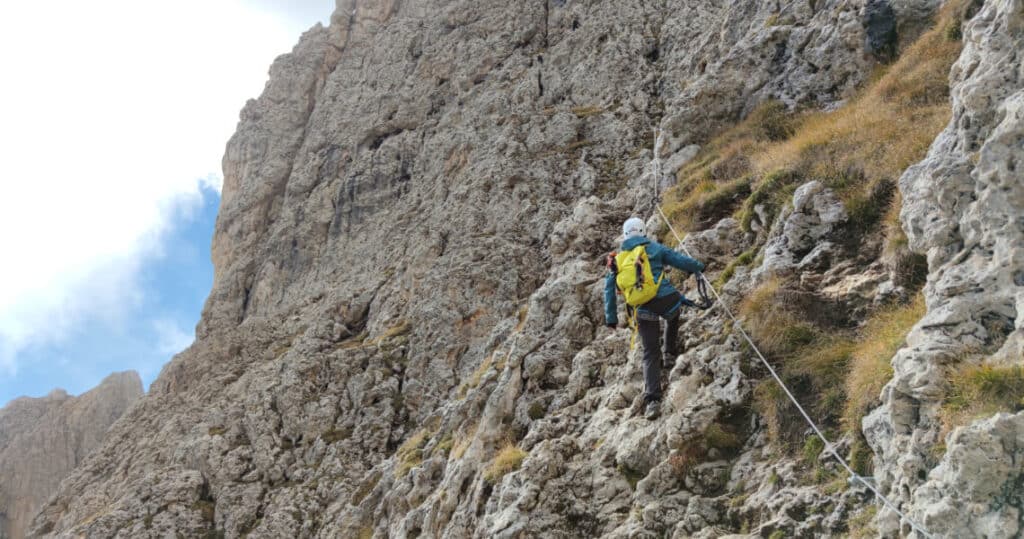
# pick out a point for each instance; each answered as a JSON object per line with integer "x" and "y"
{"x": 114, "y": 115}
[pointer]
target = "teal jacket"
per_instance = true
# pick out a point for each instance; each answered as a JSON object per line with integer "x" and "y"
{"x": 660, "y": 256}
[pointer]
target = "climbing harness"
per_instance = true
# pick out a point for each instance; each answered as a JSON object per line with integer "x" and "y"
{"x": 831, "y": 449}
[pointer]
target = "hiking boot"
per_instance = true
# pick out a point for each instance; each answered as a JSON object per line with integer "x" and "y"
{"x": 653, "y": 410}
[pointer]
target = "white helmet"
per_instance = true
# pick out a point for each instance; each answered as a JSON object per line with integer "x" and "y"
{"x": 634, "y": 226}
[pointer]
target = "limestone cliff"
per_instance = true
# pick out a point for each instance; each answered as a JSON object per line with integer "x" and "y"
{"x": 964, "y": 208}
{"x": 42, "y": 440}
{"x": 405, "y": 337}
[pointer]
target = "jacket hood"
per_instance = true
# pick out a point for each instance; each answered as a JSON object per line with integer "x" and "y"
{"x": 633, "y": 242}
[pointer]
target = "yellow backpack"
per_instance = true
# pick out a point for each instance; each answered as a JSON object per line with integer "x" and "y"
{"x": 634, "y": 278}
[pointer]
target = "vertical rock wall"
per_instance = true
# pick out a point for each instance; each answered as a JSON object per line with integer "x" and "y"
{"x": 43, "y": 440}
{"x": 962, "y": 207}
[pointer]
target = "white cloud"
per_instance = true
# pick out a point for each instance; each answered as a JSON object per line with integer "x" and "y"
{"x": 114, "y": 113}
{"x": 170, "y": 337}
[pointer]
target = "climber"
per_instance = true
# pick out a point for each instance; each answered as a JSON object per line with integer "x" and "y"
{"x": 666, "y": 304}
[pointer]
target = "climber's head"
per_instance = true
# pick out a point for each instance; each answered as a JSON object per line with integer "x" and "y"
{"x": 634, "y": 226}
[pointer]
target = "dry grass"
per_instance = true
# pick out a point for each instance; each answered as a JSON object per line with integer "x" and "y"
{"x": 909, "y": 269}
{"x": 709, "y": 201}
{"x": 462, "y": 444}
{"x": 859, "y": 151}
{"x": 881, "y": 337}
{"x": 445, "y": 446}
{"x": 873, "y": 139}
{"x": 778, "y": 331}
{"x": 861, "y": 526}
{"x": 692, "y": 452}
{"x": 719, "y": 178}
{"x": 508, "y": 459}
{"x": 982, "y": 390}
{"x": 410, "y": 453}
{"x": 477, "y": 376}
{"x": 887, "y": 128}
{"x": 586, "y": 111}
{"x": 836, "y": 375}
{"x": 814, "y": 373}
{"x": 365, "y": 488}
{"x": 721, "y": 437}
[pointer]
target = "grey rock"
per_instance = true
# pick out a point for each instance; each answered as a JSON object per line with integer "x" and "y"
{"x": 42, "y": 440}
{"x": 796, "y": 241}
{"x": 408, "y": 280}
{"x": 961, "y": 207}
{"x": 976, "y": 491}
{"x": 718, "y": 245}
{"x": 881, "y": 39}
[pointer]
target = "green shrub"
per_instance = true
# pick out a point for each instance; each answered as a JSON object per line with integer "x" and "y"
{"x": 813, "y": 447}
{"x": 745, "y": 259}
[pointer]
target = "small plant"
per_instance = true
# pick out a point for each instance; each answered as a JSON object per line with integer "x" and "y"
{"x": 745, "y": 259}
{"x": 722, "y": 438}
{"x": 860, "y": 524}
{"x": 477, "y": 376}
{"x": 772, "y": 121}
{"x": 536, "y": 410}
{"x": 770, "y": 193}
{"x": 813, "y": 448}
{"x": 835, "y": 486}
{"x": 632, "y": 476}
{"x": 861, "y": 455}
{"x": 410, "y": 453}
{"x": 865, "y": 208}
{"x": 509, "y": 459}
{"x": 778, "y": 331}
{"x": 462, "y": 444}
{"x": 982, "y": 390}
{"x": 400, "y": 328}
{"x": 708, "y": 201}
{"x": 738, "y": 500}
{"x": 217, "y": 431}
{"x": 444, "y": 447}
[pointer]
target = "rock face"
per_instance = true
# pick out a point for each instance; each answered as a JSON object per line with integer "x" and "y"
{"x": 405, "y": 335}
{"x": 43, "y": 440}
{"x": 962, "y": 208}
{"x": 801, "y": 238}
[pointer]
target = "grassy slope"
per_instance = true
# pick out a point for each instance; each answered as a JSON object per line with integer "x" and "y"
{"x": 859, "y": 150}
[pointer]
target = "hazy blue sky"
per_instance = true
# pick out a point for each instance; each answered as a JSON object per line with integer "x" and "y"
{"x": 116, "y": 114}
